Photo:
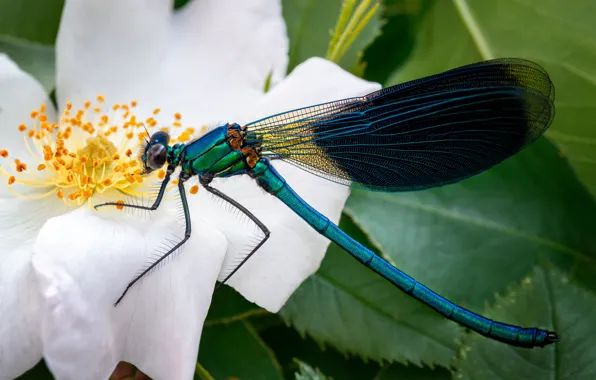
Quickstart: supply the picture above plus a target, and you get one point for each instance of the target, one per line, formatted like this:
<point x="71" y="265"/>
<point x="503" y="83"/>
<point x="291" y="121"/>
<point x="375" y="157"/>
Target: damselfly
<point x="421" y="134"/>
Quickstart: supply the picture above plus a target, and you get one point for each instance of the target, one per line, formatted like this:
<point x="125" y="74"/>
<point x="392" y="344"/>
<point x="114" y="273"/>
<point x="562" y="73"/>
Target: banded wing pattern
<point x="424" y="133"/>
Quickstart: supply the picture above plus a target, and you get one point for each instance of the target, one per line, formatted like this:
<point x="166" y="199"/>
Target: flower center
<point x="89" y="151"/>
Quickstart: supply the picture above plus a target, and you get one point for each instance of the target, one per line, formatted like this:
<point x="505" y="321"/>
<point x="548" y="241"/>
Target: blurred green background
<point x="517" y="243"/>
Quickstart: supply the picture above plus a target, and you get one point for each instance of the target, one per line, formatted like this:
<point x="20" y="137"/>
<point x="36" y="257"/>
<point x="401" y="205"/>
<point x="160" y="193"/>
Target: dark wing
<point x="424" y="133"/>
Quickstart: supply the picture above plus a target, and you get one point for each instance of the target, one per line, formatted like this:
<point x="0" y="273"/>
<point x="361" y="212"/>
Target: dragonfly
<point x="425" y="133"/>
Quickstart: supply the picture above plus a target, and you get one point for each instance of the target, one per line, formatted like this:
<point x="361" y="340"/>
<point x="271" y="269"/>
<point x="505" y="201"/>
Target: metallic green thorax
<point x="212" y="154"/>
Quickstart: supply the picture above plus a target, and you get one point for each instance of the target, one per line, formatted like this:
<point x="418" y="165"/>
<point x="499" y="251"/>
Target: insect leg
<point x="182" y="179"/>
<point x="205" y="182"/>
<point x="157" y="201"/>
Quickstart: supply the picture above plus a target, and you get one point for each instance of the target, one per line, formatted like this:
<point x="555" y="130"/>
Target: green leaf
<point x="237" y="351"/>
<point x="229" y="306"/>
<point x="470" y="240"/>
<point x="399" y="371"/>
<point x="550" y="32"/>
<point x="549" y="298"/>
<point x="308" y="373"/>
<point x="31" y="20"/>
<point x="290" y="347"/>
<point x="310" y="24"/>
<point x="397" y="37"/>
<point x="37" y="60"/>
<point x="351" y="308"/>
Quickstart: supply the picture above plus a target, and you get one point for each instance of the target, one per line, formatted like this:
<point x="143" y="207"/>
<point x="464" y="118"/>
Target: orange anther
<point x="11" y="180"/>
<point x="41" y="167"/>
<point x="20" y="167"/>
<point x="129" y="152"/>
<point x="156" y="111"/>
<point x="42" y="108"/>
<point x="116" y="157"/>
<point x="178" y="116"/>
<point x="60" y="194"/>
<point x="42" y="117"/>
<point x="194" y="189"/>
<point x="4" y="153"/>
<point x="107" y="182"/>
<point x="161" y="174"/>
<point x="100" y="98"/>
<point x="120" y="202"/>
<point x="87" y="104"/>
<point x="133" y="103"/>
<point x="31" y="133"/>
<point x="22" y="128"/>
<point x="34" y="114"/>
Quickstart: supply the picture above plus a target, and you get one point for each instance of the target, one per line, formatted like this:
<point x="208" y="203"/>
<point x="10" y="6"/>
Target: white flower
<point x="63" y="267"/>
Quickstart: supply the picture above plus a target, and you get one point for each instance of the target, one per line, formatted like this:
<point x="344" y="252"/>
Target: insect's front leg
<point x="157" y="201"/>
<point x="187" y="231"/>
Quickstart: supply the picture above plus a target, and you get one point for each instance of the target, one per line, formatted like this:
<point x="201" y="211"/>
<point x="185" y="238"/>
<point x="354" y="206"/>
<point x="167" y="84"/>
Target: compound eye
<point x="156" y="156"/>
<point x="160" y="137"/>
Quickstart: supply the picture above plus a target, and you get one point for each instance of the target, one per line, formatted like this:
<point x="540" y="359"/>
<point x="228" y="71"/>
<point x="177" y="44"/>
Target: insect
<point x="425" y="133"/>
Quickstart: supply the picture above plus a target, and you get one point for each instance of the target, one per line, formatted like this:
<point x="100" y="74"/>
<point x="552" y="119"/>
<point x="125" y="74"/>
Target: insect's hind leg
<point x="157" y="201"/>
<point x="205" y="182"/>
<point x="183" y="178"/>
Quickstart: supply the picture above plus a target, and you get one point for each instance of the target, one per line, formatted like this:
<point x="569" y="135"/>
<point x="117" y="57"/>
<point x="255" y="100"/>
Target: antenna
<point x="146" y="131"/>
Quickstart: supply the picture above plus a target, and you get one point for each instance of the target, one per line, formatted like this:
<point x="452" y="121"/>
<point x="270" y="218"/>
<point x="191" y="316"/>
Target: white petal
<point x="112" y="47"/>
<point x="83" y="263"/>
<point x="294" y="250"/>
<point x="209" y="62"/>
<point x="20" y="94"/>
<point x="20" y="303"/>
<point x="224" y="51"/>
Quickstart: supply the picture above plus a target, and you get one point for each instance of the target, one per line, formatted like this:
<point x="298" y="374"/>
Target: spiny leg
<point x="157" y="201"/>
<point x="183" y="178"/>
<point x="205" y="182"/>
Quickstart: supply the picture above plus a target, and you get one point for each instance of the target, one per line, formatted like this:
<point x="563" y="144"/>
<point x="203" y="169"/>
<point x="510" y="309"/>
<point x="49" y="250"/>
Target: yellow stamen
<point x="86" y="152"/>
